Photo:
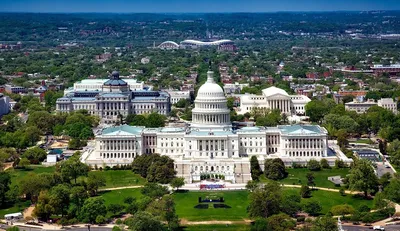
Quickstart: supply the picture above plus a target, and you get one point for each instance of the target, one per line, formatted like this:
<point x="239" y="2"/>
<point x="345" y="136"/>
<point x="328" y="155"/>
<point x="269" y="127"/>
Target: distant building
<point x="359" y="107"/>
<point x="232" y="88"/>
<point x="274" y="98"/>
<point x="393" y="69"/>
<point x="362" y="107"/>
<point x="145" y="60"/>
<point x="97" y="85"/>
<point x="198" y="44"/>
<point x="168" y="45"/>
<point x="4" y="105"/>
<point x="389" y="104"/>
<point x="115" y="99"/>
<point x="10" y="89"/>
<point x="178" y="95"/>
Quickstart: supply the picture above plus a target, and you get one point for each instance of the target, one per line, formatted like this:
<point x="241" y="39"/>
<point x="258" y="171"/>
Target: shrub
<point x="340" y="164"/>
<point x="342" y="192"/>
<point x="324" y="164"/>
<point x="363" y="208"/>
<point x="100" y="219"/>
<point x="313" y="165"/>
<point x="305" y="191"/>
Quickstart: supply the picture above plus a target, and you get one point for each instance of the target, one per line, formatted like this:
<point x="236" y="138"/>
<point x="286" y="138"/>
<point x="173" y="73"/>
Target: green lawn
<point x="118" y="196"/>
<point x="17" y="174"/>
<point x="237" y="200"/>
<point x="298" y="176"/>
<point x="120" y="178"/>
<point x="235" y="227"/>
<point x="330" y="199"/>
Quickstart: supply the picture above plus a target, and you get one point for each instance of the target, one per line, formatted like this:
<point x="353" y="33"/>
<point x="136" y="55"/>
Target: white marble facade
<point x="209" y="144"/>
<point x="273" y="98"/>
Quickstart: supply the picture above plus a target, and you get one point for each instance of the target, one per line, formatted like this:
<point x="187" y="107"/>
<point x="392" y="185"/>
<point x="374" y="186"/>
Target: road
<point x="365" y="228"/>
<point x="382" y="169"/>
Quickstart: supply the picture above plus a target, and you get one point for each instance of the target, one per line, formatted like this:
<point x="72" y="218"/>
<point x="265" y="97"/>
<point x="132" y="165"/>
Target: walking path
<point x="228" y="187"/>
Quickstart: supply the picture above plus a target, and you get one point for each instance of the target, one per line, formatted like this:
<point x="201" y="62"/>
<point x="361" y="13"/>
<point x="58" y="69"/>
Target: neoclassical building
<point x="113" y="99"/>
<point x="209" y="144"/>
<point x="274" y="98"/>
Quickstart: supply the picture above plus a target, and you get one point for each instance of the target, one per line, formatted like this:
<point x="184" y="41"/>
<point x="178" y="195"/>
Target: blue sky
<point x="160" y="6"/>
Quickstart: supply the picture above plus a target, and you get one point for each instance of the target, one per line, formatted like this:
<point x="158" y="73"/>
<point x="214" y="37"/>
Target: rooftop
<point x="122" y="130"/>
<point x="300" y="129"/>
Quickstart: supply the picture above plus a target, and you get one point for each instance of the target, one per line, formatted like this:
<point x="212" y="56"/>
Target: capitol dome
<point x="210" y="88"/>
<point x="210" y="110"/>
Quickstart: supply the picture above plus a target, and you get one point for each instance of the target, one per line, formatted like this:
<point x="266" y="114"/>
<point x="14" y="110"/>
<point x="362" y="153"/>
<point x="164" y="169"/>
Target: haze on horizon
<point x="193" y="6"/>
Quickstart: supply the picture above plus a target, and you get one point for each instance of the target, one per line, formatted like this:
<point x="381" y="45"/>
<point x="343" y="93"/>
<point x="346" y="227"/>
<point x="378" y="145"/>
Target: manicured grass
<point x="237" y="200"/>
<point x="17" y="174"/>
<point x="298" y="176"/>
<point x="118" y="196"/>
<point x="234" y="227"/>
<point x="330" y="199"/>
<point x="18" y="207"/>
<point x="120" y="178"/>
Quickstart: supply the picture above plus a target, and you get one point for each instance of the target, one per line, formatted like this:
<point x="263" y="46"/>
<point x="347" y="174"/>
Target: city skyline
<point x="184" y="6"/>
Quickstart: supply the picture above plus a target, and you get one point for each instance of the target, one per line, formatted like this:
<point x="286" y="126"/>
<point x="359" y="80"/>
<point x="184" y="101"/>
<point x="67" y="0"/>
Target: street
<point x="365" y="228"/>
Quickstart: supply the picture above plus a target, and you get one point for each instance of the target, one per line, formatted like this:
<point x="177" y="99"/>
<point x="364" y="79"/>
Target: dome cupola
<point x="210" y="109"/>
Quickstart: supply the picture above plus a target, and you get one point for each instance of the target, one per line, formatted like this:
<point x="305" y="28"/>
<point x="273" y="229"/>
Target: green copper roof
<point x="300" y="129"/>
<point x="123" y="130"/>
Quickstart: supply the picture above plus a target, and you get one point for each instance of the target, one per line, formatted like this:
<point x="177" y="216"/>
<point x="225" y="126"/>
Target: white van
<point x="13" y="216"/>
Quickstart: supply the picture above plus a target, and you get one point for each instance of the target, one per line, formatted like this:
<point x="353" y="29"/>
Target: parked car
<point x="378" y="228"/>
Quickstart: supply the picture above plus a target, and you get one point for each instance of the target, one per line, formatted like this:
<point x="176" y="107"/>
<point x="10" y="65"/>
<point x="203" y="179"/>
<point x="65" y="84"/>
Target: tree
<point x="305" y="191"/>
<point x="59" y="199"/>
<point x="362" y="177"/>
<point x="100" y="219"/>
<point x="280" y="222"/>
<point x="324" y="163"/>
<point x="94" y="182"/>
<point x="115" y="209"/>
<point x="24" y="163"/>
<point x="155" y="120"/>
<point x="312" y="207"/>
<point x="274" y="169"/>
<point x="291" y="204"/>
<point x="177" y="182"/>
<point x="313" y="165"/>
<point x="384" y="181"/>
<point x="342" y="138"/>
<point x="43" y="210"/>
<point x="35" y="154"/>
<point x="252" y="185"/>
<point x="324" y="223"/>
<point x="316" y="110"/>
<point x="255" y="168"/>
<point x="13" y="228"/>
<point x="182" y="103"/>
<point x="93" y="207"/>
<point x="380" y="202"/>
<point x="310" y="179"/>
<point x="72" y="168"/>
<point x="342" y="210"/>
<point x="260" y="224"/>
<point x="265" y="201"/>
<point x="5" y="181"/>
<point x="162" y="170"/>
<point x="144" y="221"/>
<point x="392" y="192"/>
<point x="154" y="190"/>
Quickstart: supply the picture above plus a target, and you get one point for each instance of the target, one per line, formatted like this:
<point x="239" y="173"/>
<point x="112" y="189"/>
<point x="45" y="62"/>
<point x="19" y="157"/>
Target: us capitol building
<point x="210" y="144"/>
